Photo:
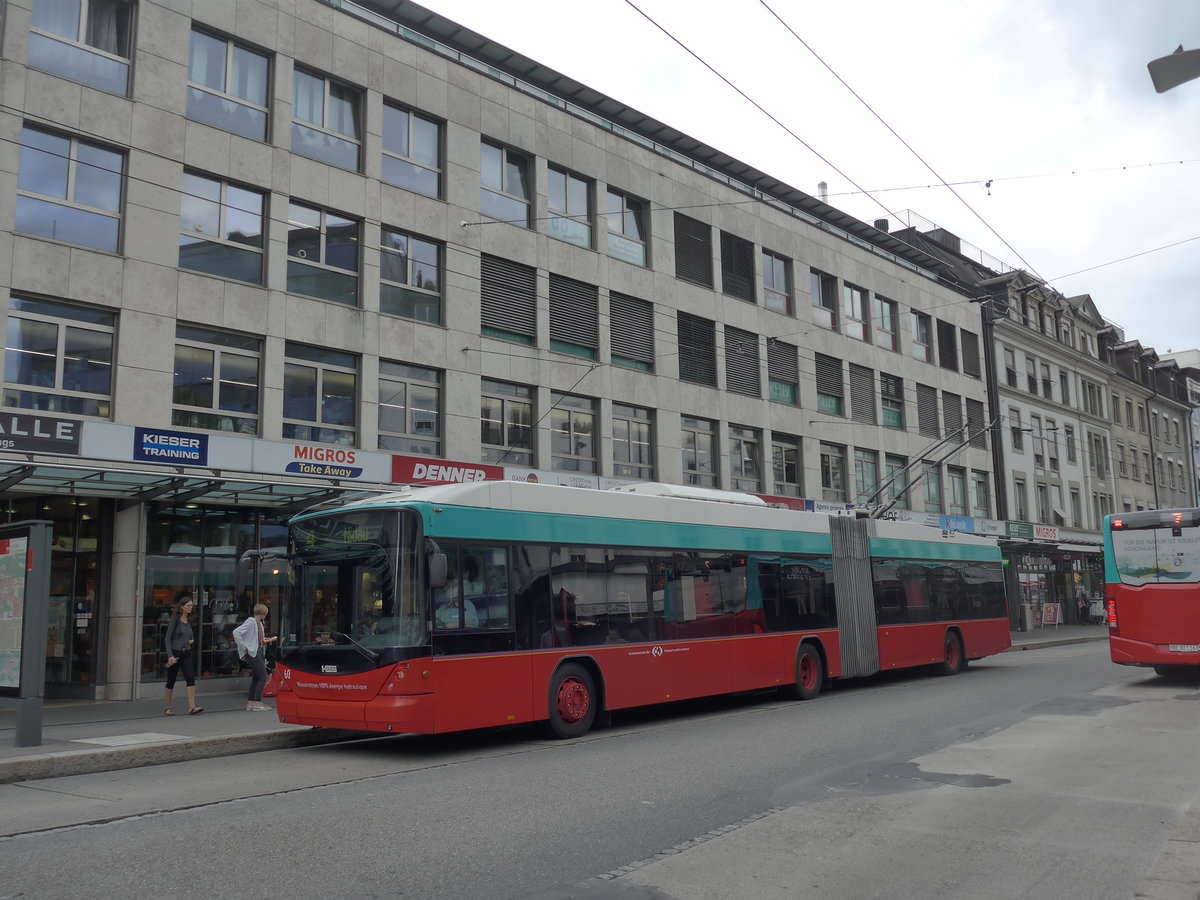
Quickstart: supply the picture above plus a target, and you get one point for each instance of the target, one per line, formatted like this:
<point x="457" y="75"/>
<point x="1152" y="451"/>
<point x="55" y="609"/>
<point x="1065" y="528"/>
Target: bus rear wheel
<point x="953" y="660"/>
<point x="572" y="701"/>
<point x="809" y="673"/>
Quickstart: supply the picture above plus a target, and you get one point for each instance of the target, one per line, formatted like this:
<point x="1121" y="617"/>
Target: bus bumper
<point x="389" y="715"/>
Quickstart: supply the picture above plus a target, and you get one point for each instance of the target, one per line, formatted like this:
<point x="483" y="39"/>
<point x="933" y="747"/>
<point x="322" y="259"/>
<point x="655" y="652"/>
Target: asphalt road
<point x="1050" y="774"/>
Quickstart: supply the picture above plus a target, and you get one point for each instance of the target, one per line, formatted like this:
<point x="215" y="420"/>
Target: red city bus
<point x="1152" y="589"/>
<point x="467" y="606"/>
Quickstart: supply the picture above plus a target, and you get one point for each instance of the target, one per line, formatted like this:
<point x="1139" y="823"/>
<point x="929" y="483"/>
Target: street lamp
<point x="1171" y="71"/>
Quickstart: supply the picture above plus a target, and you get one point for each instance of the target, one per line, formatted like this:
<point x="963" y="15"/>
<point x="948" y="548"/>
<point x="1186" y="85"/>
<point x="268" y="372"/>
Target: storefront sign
<point x="322" y="461"/>
<point x="1020" y="530"/>
<point x="418" y="470"/>
<point x="24" y="433"/>
<point x="1045" y="532"/>
<point x="963" y="524"/>
<point x="172" y="447"/>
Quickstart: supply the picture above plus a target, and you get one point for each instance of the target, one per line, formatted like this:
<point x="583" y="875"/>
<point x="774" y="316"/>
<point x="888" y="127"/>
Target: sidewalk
<point x="81" y="736"/>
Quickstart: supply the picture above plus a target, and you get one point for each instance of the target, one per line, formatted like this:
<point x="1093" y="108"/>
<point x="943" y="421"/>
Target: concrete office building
<point x="263" y="253"/>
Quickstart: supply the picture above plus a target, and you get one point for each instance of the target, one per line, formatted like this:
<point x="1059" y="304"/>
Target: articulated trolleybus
<point x="466" y="606"/>
<point x="1152" y="589"/>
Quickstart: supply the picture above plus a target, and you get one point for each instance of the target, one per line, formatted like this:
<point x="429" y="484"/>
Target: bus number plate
<point x="1184" y="648"/>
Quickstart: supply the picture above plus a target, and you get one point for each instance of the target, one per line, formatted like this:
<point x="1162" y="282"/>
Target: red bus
<point x="468" y="606"/>
<point x="1152" y="589"/>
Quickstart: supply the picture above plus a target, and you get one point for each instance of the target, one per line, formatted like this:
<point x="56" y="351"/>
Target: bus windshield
<point x="356" y="587"/>
<point x="1156" y="547"/>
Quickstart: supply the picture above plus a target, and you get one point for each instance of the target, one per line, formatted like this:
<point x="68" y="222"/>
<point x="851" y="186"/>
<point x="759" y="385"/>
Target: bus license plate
<point x="1184" y="648"/>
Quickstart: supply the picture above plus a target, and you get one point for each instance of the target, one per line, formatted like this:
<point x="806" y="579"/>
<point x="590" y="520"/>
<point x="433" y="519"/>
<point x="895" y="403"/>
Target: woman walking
<point x="179" y="643"/>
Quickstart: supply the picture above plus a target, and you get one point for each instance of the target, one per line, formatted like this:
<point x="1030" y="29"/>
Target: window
<point x="1047" y="391"/>
<point x="922" y="340"/>
<point x="508" y="300"/>
<point x="1031" y="382"/>
<point x="697" y="350"/>
<point x="1039" y="448"/>
<point x="956" y="491"/>
<point x="952" y="416"/>
<point x="58" y="358"/>
<point x="895" y="480"/>
<point x="833" y="472"/>
<point x="1010" y="367"/>
<point x="927" y="412"/>
<point x="325" y="120"/>
<point x="631" y="332"/>
<point x="626" y="220"/>
<point x="862" y="395"/>
<point x="87" y="41"/>
<point x="322" y="254"/>
<point x="1052" y="444"/>
<point x="69" y="190"/>
<point x="866" y="476"/>
<point x="633" y="442"/>
<point x="931" y="487"/>
<point x="1042" y="496"/>
<point x="412" y="151"/>
<point x="221" y="229"/>
<point x="891" y="390"/>
<point x="1069" y="440"/>
<point x="216" y="380"/>
<point x="506" y="423"/>
<point x="1017" y="432"/>
<point x="783" y="372"/>
<point x="1076" y="509"/>
<point x="574" y="317"/>
<point x="693" y="251"/>
<point x="785" y="465"/>
<point x="572" y="433"/>
<point x="410" y="402"/>
<point x="976" y="426"/>
<point x="829" y="384"/>
<point x="1116" y="407"/>
<point x="741" y="362"/>
<point x="410" y="276"/>
<point x="1121" y="460"/>
<point x="504" y="181"/>
<point x="737" y="267"/>
<point x="947" y="346"/>
<point x="824" y="299"/>
<point x="698" y="439"/>
<point x="745" y="459"/>
<point x="980" y="496"/>
<point x="228" y="86"/>
<point x="777" y="282"/>
<point x="856" y="312"/>
<point x="970" y="353"/>
<point x="1064" y="387"/>
<point x="887" y="324"/>
<point x="569" y="201"/>
<point x="1134" y="471"/>
<point x="320" y="395"/>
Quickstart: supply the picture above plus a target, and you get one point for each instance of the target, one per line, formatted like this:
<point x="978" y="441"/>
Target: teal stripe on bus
<point x="509" y="525"/>
<point x="890" y="548"/>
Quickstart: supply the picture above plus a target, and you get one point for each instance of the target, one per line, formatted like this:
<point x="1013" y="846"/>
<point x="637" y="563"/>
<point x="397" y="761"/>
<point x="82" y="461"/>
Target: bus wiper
<point x="365" y="651"/>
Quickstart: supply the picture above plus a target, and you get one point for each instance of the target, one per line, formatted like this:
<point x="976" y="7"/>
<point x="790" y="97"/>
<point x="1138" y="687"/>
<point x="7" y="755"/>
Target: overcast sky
<point x="1050" y="100"/>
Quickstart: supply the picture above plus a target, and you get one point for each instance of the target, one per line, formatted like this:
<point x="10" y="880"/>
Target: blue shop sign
<point x="172" y="447"/>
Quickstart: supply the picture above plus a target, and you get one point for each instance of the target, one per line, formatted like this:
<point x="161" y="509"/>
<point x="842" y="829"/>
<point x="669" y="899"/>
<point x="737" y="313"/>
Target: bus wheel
<point x="572" y="701"/>
<point x="808" y="673"/>
<point x="954" y="660"/>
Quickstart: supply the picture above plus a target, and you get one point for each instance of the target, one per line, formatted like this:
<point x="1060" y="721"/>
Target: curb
<point x="111" y="759"/>
<point x="1056" y="642"/>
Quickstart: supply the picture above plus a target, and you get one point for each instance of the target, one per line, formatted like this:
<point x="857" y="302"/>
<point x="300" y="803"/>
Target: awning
<point x="132" y="486"/>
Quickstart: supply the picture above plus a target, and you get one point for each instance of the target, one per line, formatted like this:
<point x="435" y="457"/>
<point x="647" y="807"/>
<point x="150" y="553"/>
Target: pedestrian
<point x="179" y="643"/>
<point x="251" y="639"/>
<point x="1083" y="610"/>
<point x="1097" y="610"/>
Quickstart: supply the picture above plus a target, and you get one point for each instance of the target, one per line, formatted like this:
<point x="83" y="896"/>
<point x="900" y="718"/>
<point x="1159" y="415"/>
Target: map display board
<point x="13" y="581"/>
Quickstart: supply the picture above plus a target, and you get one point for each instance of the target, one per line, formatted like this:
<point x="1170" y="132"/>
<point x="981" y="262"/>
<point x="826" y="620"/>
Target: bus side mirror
<point x="437" y="570"/>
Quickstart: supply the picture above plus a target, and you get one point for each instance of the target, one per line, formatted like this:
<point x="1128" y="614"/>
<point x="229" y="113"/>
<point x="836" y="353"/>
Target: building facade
<point x="263" y="255"/>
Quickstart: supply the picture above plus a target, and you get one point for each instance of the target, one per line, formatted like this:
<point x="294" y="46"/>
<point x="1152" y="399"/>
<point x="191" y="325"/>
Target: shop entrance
<point x="75" y="632"/>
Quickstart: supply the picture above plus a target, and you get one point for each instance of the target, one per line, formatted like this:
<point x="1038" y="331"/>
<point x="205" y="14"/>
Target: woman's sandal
<point x="168" y="712"/>
<point x="195" y="709"/>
